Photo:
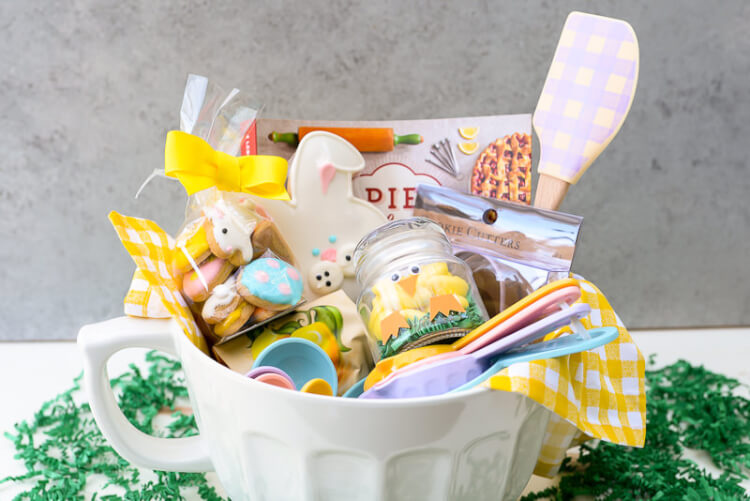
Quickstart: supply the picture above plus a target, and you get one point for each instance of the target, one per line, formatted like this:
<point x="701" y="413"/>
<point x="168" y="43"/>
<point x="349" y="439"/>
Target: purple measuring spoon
<point x="442" y="377"/>
<point x="273" y="376"/>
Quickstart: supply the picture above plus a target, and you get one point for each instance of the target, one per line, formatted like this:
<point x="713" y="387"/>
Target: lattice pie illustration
<point x="503" y="169"/>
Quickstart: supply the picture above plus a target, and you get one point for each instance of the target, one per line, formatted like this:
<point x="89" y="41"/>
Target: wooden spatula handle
<point x="550" y="192"/>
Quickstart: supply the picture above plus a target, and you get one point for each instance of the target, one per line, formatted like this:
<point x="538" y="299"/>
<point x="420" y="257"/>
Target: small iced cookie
<point x="270" y="283"/>
<point x="214" y="271"/>
<point x="193" y="240"/>
<point x="325" y="277"/>
<point x="227" y="235"/>
<point x="267" y="237"/>
<point x="222" y="301"/>
<point x="235" y="320"/>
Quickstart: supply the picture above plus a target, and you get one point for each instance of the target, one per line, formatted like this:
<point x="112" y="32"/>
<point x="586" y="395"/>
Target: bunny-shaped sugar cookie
<point x="324" y="220"/>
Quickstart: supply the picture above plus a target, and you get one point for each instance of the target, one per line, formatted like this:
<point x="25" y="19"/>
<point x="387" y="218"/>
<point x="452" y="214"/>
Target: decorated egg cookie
<point x="270" y="283"/>
<point x="262" y="314"/>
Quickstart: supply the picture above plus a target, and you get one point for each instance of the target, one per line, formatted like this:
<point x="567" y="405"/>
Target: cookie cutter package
<point x="512" y="249"/>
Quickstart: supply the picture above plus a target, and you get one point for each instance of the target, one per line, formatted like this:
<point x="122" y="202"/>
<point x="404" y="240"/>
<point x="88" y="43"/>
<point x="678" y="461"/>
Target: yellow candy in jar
<point x="392" y="295"/>
<point x="413" y="287"/>
<point x="447" y="285"/>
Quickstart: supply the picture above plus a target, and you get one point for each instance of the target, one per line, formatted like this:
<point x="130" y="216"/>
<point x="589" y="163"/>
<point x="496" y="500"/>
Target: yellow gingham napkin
<point x="151" y="249"/>
<point x="598" y="393"/>
<point x="143" y="299"/>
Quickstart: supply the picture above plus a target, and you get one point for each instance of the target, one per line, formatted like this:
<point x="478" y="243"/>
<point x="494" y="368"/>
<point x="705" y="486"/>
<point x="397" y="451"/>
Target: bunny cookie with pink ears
<point x="228" y="233"/>
<point x="323" y="208"/>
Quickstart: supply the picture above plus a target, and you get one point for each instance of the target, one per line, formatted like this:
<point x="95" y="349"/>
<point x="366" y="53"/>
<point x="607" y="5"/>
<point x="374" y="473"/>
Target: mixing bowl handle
<point x="98" y="342"/>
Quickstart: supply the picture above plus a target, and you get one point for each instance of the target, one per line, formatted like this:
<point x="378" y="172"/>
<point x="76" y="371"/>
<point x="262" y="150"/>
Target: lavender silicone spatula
<point x="585" y="99"/>
<point x="442" y="377"/>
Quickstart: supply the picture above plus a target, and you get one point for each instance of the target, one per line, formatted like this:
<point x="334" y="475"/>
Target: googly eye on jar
<point x="414" y="291"/>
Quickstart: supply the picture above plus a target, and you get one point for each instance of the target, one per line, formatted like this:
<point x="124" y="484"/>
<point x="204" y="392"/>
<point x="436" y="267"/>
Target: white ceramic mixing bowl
<point x="267" y="443"/>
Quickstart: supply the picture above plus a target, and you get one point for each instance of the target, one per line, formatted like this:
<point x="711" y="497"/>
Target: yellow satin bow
<point x="198" y="166"/>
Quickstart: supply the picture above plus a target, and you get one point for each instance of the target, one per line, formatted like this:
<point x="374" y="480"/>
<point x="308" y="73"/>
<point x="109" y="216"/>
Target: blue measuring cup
<point x="301" y="359"/>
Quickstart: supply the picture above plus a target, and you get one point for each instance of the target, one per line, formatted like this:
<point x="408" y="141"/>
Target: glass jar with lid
<point x="415" y="292"/>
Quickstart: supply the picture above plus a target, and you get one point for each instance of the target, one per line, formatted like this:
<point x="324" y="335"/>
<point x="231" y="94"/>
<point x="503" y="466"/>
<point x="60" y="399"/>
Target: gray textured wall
<point x="88" y="90"/>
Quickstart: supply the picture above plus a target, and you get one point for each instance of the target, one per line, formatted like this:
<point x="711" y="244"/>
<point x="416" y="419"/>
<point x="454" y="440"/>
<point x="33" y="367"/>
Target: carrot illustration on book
<point x="365" y="139"/>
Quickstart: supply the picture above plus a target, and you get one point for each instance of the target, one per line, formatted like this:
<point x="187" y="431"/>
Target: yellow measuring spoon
<point x="318" y="386"/>
<point x="391" y="364"/>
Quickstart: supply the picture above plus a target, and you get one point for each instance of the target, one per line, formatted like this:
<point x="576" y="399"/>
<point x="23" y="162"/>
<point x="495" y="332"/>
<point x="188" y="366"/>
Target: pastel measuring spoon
<point x="387" y="366"/>
<point x="273" y="376"/>
<point x="443" y="376"/>
<point x="558" y="347"/>
<point x="318" y="386"/>
<point x="535" y="310"/>
<point x="586" y="97"/>
<point x="356" y="389"/>
<point x="391" y="364"/>
<point x="276" y="380"/>
<point x="514" y="309"/>
<point x="301" y="359"/>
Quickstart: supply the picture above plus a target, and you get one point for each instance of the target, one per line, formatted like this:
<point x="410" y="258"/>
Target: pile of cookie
<point x="234" y="267"/>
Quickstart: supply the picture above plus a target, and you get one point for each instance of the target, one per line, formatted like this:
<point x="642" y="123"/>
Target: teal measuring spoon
<point x="564" y="345"/>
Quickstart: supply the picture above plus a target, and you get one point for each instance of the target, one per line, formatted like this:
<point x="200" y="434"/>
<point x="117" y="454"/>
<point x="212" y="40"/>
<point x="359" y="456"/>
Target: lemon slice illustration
<point x="468" y="132"/>
<point x="468" y="148"/>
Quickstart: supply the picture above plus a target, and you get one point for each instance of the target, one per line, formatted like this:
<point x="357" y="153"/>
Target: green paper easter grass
<point x="688" y="407"/>
<point x="64" y="451"/>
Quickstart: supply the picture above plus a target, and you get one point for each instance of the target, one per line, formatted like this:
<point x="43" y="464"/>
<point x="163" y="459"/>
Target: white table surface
<point x="32" y="372"/>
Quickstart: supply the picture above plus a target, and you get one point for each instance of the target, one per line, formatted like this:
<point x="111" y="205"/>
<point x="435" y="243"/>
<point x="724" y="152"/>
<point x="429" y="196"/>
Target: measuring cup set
<point x="507" y="338"/>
